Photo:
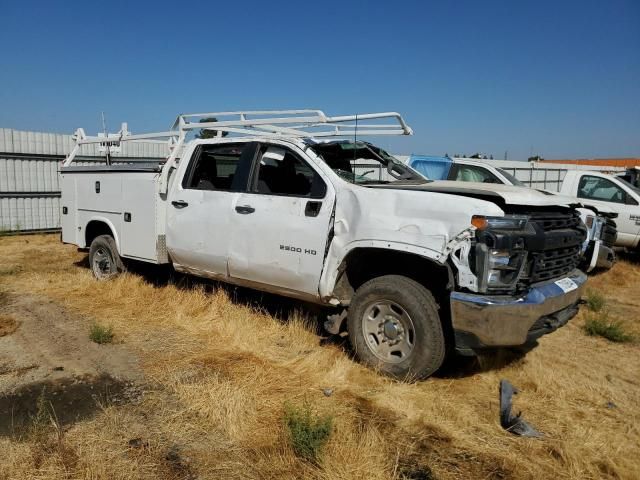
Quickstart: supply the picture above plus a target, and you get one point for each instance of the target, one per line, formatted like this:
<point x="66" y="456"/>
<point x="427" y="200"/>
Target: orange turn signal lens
<point x="480" y="222"/>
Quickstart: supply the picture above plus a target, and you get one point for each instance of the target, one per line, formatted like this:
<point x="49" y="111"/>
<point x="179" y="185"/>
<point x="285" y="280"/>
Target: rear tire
<point x="394" y="326"/>
<point x="104" y="259"/>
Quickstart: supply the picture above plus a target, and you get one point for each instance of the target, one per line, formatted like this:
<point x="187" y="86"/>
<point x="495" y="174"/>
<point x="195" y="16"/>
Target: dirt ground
<point x="196" y="380"/>
<point x="44" y="348"/>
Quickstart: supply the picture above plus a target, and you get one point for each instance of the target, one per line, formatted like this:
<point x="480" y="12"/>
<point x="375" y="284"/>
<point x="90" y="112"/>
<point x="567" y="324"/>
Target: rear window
<point x="214" y="167"/>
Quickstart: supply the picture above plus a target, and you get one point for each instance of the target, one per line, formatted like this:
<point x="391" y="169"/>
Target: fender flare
<point x="106" y="221"/>
<point x="335" y="260"/>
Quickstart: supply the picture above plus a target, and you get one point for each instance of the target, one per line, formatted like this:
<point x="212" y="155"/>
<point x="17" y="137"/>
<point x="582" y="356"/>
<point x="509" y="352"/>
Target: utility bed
<point x="118" y="195"/>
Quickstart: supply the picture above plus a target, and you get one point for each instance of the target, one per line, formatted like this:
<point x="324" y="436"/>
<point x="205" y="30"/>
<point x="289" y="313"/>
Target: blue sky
<point x="556" y="78"/>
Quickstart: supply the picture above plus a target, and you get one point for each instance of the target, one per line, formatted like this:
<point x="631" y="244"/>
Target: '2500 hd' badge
<point x="289" y="248"/>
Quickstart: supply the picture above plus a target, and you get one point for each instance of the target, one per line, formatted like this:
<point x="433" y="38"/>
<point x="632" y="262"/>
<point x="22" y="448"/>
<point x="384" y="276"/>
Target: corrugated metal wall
<point x="29" y="181"/>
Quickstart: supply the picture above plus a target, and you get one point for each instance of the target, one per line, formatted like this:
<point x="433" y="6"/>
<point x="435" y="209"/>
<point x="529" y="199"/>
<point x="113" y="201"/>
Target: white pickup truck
<point x="608" y="191"/>
<point x="601" y="228"/>
<point x="276" y="205"/>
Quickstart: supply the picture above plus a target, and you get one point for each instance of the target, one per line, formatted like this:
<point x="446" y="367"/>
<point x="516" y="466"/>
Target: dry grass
<point x="220" y="372"/>
<point x="8" y="325"/>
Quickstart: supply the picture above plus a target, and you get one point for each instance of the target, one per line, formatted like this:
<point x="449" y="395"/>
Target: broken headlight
<point x="498" y="270"/>
<point x="508" y="222"/>
<point x="500" y="254"/>
<point x="599" y="225"/>
<point x="589" y="221"/>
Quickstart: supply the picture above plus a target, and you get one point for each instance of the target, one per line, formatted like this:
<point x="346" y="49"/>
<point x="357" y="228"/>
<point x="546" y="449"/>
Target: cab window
<point x="279" y="171"/>
<point x="215" y="167"/>
<point x="603" y="189"/>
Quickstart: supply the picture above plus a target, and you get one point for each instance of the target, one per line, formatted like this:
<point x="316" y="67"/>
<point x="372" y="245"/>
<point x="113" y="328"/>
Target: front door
<point x="281" y="225"/>
<point x="200" y="208"/>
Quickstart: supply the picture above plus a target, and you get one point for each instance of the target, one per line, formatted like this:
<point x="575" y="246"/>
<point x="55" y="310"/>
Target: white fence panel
<point x="29" y="178"/>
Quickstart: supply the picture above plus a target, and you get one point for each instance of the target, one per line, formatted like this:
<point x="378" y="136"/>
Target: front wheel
<point x="104" y="258"/>
<point x="394" y="326"/>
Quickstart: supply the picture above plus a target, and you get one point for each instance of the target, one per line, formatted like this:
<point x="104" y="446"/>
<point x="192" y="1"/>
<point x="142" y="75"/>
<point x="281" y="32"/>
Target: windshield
<point x="511" y="178"/>
<point x="362" y="163"/>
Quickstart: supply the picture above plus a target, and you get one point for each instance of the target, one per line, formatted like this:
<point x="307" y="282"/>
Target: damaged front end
<point x="598" y="248"/>
<point x="517" y="278"/>
<point x="490" y="257"/>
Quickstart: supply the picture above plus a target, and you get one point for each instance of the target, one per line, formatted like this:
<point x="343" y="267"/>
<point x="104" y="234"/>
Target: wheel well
<point x="364" y="264"/>
<point x="94" y="229"/>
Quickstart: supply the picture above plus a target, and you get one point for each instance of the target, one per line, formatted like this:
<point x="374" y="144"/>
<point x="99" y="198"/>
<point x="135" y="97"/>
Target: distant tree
<point x="535" y="158"/>
<point x="207" y="132"/>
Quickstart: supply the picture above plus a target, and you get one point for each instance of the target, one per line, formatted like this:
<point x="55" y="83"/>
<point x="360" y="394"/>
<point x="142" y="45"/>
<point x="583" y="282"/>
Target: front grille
<point x="550" y="221"/>
<point x="561" y="250"/>
<point x="554" y="263"/>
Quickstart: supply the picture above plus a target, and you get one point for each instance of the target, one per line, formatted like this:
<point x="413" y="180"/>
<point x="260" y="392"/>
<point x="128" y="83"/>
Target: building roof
<point x="604" y="162"/>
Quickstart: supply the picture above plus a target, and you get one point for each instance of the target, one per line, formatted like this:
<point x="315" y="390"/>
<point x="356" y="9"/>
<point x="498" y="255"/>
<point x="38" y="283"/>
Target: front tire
<point x="394" y="326"/>
<point x="104" y="259"/>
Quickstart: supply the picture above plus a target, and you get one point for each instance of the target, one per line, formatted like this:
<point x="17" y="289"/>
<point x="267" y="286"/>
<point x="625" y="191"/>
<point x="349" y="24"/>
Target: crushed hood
<point x="492" y="192"/>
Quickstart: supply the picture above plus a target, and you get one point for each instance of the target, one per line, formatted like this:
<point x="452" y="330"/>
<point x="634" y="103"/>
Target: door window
<point x="281" y="172"/>
<point x="470" y="173"/>
<point x="603" y="189"/>
<point x="215" y="167"/>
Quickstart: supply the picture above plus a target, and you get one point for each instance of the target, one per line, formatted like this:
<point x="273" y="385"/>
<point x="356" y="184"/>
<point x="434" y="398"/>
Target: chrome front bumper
<point x="481" y="321"/>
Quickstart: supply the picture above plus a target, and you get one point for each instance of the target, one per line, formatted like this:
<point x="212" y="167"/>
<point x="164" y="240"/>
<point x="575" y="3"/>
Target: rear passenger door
<point x="200" y="207"/>
<point x="282" y="223"/>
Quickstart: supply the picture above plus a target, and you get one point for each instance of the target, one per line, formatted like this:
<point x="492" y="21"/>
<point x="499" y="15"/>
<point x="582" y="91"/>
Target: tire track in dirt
<point x="46" y="354"/>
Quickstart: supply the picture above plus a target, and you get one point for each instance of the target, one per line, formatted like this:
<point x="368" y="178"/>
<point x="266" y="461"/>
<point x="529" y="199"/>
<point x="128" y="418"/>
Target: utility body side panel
<point x="127" y="202"/>
<point x="69" y="213"/>
<point x="139" y="216"/>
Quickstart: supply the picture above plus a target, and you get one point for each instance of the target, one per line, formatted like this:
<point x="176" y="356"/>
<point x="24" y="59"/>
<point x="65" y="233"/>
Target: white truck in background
<point x="608" y="191"/>
<point x="278" y="206"/>
<point x="599" y="219"/>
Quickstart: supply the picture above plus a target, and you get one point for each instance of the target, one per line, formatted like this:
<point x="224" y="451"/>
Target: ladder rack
<point x="307" y="123"/>
<point x="280" y="123"/>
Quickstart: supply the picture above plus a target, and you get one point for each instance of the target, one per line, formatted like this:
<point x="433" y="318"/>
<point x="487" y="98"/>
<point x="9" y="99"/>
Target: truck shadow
<point x="458" y="366"/>
<point x="284" y="308"/>
<point x="628" y="256"/>
<point x="279" y="307"/>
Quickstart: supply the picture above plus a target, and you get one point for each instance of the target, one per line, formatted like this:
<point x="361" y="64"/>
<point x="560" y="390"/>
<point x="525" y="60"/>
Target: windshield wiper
<point x="369" y="182"/>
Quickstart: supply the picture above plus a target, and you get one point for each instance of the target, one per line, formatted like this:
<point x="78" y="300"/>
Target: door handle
<point x="179" y="203"/>
<point x="245" y="209"/>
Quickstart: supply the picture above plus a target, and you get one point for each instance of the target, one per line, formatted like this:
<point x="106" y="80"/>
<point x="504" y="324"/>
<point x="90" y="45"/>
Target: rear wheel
<point x="104" y="258"/>
<point x="394" y="325"/>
